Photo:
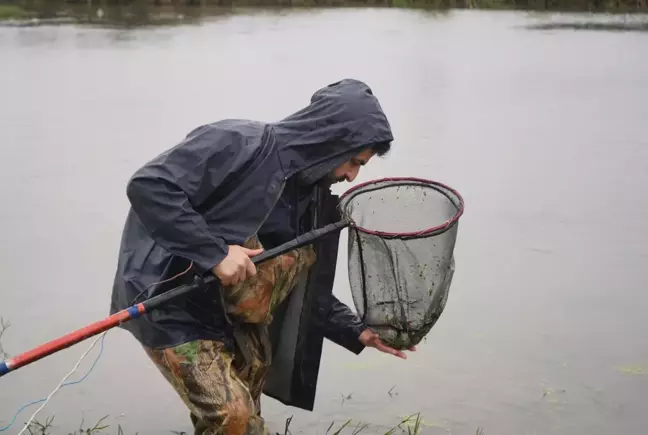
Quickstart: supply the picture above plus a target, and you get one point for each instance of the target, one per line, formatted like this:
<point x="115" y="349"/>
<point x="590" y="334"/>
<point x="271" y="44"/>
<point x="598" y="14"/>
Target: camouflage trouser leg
<point x="254" y="300"/>
<point x="222" y="389"/>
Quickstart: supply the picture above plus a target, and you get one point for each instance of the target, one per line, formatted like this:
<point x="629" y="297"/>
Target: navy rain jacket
<point x="225" y="182"/>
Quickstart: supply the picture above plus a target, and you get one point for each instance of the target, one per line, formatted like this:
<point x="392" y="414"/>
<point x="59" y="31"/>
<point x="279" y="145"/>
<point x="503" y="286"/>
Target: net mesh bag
<point x="402" y="236"/>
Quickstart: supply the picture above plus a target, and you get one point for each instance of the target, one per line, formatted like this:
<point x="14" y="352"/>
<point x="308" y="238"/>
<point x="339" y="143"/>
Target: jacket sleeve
<point x="339" y="324"/>
<point x="164" y="192"/>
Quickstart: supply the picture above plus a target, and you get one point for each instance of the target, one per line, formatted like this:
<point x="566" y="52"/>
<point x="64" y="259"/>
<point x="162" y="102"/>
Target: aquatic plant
<point x="410" y="425"/>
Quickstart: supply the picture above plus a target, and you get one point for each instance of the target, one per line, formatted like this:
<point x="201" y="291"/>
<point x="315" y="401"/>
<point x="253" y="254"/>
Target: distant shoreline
<point x="146" y="12"/>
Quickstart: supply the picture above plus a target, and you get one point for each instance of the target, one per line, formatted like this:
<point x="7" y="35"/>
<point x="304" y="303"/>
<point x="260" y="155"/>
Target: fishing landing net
<point x="401" y="254"/>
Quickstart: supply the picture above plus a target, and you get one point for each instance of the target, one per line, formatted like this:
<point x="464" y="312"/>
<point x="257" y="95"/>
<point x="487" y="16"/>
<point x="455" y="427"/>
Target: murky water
<point x="543" y="132"/>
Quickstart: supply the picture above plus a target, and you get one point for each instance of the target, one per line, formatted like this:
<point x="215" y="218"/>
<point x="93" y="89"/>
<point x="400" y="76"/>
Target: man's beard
<point x="332" y="179"/>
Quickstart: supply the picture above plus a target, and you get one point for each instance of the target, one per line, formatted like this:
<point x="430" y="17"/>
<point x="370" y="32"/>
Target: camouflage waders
<point x="222" y="389"/>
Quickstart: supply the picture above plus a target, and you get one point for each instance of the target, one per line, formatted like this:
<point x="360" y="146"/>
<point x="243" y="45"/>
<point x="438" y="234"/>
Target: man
<point x="229" y="190"/>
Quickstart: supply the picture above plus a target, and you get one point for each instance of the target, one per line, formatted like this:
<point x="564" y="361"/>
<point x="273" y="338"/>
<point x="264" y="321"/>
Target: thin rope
<point x="60" y="385"/>
<point x="163" y="282"/>
<point x="13" y="420"/>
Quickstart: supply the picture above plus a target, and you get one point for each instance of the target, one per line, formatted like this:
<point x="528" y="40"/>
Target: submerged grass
<point x="408" y="426"/>
<point x="38" y="428"/>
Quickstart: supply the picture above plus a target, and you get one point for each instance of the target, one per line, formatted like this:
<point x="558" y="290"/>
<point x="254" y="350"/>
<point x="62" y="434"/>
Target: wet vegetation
<point x="411" y="425"/>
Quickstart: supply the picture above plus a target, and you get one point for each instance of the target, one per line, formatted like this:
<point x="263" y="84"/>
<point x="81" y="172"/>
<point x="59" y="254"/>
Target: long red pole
<point x="70" y="339"/>
<point x="138" y="310"/>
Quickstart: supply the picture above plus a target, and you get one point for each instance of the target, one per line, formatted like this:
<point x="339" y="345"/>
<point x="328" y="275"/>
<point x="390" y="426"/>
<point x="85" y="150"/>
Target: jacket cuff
<point x="349" y="338"/>
<point x="207" y="263"/>
<point x="356" y="346"/>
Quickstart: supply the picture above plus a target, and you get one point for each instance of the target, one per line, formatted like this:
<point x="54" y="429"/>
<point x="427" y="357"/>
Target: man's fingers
<point x="237" y="266"/>
<point x="397" y="353"/>
<point x="386" y="349"/>
<point x="250" y="268"/>
<point x="252" y="252"/>
<point x="372" y="339"/>
<point x="242" y="273"/>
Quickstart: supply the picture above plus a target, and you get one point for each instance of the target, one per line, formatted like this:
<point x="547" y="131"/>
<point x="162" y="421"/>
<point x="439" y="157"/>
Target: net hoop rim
<point x="439" y="229"/>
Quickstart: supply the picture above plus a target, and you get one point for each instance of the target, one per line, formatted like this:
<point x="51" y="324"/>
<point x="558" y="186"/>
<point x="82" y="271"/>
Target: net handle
<point x="299" y="241"/>
<point x="426" y="232"/>
<point x="137" y="310"/>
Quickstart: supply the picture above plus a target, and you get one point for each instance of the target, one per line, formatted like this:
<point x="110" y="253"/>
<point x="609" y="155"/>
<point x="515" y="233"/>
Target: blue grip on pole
<point x="4" y="368"/>
<point x="134" y="312"/>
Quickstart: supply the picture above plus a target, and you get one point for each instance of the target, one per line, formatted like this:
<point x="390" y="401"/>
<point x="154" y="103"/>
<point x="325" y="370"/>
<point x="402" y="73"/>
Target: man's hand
<point x="371" y="339"/>
<point x="237" y="266"/>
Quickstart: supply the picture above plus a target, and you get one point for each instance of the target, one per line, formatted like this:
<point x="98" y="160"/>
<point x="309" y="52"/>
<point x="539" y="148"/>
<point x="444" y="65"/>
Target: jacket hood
<point x="342" y="119"/>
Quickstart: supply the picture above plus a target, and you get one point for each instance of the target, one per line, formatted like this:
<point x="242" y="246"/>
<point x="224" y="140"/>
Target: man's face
<point x="348" y="171"/>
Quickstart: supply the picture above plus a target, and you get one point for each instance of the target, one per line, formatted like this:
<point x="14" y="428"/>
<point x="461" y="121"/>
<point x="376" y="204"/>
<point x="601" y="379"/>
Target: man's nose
<point x="351" y="175"/>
